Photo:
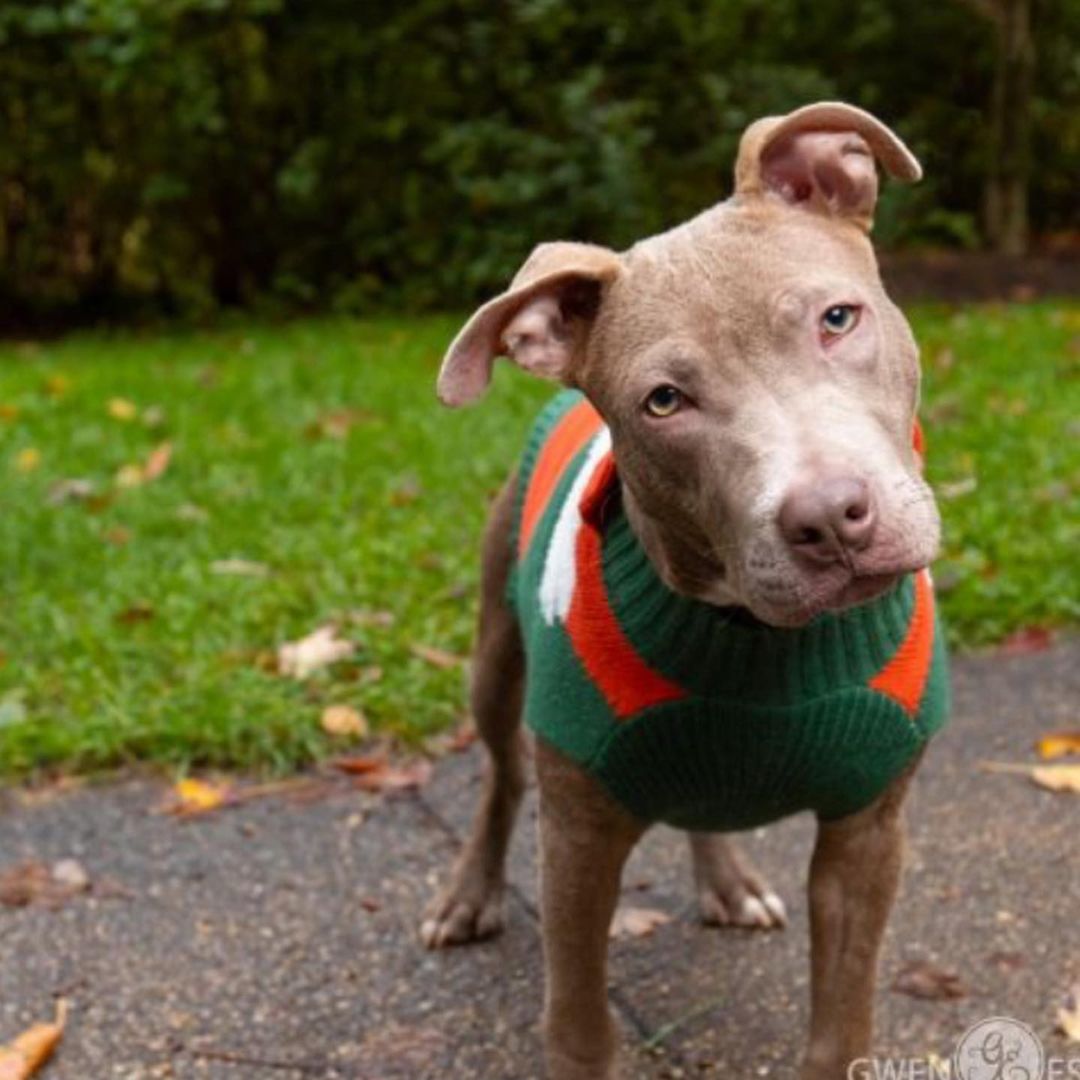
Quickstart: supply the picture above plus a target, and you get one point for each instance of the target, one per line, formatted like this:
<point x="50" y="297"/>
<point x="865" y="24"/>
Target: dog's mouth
<point x="795" y="607"/>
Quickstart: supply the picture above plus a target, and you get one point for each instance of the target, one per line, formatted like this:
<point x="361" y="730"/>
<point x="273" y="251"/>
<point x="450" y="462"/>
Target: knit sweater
<point x="688" y="713"/>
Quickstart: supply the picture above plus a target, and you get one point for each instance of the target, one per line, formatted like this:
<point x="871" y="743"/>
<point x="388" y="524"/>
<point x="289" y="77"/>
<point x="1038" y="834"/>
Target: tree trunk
<point x="1006" y="193"/>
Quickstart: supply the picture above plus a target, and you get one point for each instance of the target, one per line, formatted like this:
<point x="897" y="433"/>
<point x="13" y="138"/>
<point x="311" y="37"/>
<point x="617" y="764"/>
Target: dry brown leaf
<point x="438" y="657"/>
<point x="117" y="535"/>
<point x="463" y="738"/>
<point x="157" y="462"/>
<point x="360" y="764"/>
<point x="321" y="647"/>
<point x="922" y="979"/>
<point x="396" y="777"/>
<point x="636" y="922"/>
<point x="26" y="1054"/>
<point x="337" y="423"/>
<point x="344" y="720"/>
<point x="133" y="475"/>
<point x="136" y="613"/>
<point x="1057" y="744"/>
<point x="1026" y="640"/>
<point x="1068" y="1016"/>
<point x="32" y="882"/>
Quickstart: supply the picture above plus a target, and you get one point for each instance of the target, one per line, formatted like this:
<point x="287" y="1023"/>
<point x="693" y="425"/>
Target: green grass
<point x="120" y="642"/>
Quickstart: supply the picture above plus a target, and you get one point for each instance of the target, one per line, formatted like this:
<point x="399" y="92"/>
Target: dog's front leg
<point x="585" y="839"/>
<point x="853" y="880"/>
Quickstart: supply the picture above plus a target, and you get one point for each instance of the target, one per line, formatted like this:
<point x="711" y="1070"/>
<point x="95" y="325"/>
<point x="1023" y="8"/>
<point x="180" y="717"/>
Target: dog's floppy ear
<point x="540" y="322"/>
<point x="822" y="157"/>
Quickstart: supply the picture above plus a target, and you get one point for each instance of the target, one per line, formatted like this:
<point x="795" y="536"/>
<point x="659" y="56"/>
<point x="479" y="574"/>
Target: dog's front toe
<point x="730" y="890"/>
<point x="456" y="918"/>
<point x="743" y="909"/>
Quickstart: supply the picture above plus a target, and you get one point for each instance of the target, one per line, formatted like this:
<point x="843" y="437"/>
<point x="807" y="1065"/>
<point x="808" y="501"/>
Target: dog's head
<point x="759" y="385"/>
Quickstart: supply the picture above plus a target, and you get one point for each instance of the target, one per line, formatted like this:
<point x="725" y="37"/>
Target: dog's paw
<point x="736" y="904"/>
<point x="459" y="916"/>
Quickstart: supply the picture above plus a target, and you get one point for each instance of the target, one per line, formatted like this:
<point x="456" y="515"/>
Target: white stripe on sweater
<point x="560" y="562"/>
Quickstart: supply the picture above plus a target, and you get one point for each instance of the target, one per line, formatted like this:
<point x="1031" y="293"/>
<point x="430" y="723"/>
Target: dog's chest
<point x="683" y="713"/>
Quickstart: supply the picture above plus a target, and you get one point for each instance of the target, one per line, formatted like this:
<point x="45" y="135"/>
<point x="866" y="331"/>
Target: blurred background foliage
<point x="177" y="156"/>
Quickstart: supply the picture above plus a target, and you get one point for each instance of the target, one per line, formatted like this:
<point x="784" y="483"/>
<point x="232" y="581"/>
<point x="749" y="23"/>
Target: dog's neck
<point x="684" y="563"/>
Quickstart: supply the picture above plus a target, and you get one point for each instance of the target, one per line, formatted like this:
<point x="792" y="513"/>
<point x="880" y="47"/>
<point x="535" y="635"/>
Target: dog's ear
<point x="821" y="157"/>
<point x="541" y="322"/>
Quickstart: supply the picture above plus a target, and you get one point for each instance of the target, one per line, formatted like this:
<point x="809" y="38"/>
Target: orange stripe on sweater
<point x="918" y="439"/>
<point x="903" y="678"/>
<point x="622" y="676"/>
<point x="576" y="427"/>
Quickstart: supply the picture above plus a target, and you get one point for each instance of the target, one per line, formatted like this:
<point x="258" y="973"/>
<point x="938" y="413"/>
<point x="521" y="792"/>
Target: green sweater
<point x="691" y="714"/>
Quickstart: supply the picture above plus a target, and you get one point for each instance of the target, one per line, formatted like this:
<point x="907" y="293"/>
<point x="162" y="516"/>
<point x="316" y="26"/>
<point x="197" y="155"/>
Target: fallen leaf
<point x="396" y="777"/>
<point x="1068" y="1016"/>
<point x="406" y="492"/>
<point x="1057" y="777"/>
<point x="56" y="386"/>
<point x="1052" y="777"/>
<point x="27" y="460"/>
<point x="191" y="797"/>
<point x="360" y="764"/>
<point x="1058" y="744"/>
<point x="462" y="738"/>
<point x="70" y="874"/>
<point x="922" y="979"/>
<point x="382" y="619"/>
<point x="958" y="488"/>
<point x="438" y="657"/>
<point x="239" y="567"/>
<point x="321" y="647"/>
<point x="118" y="535"/>
<point x="128" y="476"/>
<point x="74" y="489"/>
<point x="1028" y="639"/>
<point x="337" y="423"/>
<point x="134" y="475"/>
<point x="32" y="882"/>
<point x="344" y="720"/>
<point x="157" y="462"/>
<point x="136" y="613"/>
<point x="26" y="1054"/>
<point x="122" y="409"/>
<point x="636" y="922"/>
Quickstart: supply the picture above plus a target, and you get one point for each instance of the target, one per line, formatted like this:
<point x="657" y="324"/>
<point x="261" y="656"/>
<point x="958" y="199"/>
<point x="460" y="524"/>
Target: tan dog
<point x="760" y="389"/>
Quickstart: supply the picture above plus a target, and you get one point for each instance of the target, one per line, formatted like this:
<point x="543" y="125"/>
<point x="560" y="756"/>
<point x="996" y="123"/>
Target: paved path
<point x="277" y="940"/>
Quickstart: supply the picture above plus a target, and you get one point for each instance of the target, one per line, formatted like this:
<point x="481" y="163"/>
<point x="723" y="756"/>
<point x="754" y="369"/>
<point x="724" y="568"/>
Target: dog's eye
<point x="839" y="319"/>
<point x="664" y="401"/>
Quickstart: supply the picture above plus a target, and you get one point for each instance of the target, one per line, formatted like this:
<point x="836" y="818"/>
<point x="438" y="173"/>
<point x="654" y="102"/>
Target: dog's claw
<point x="456" y="922"/>
<point x="775" y="906"/>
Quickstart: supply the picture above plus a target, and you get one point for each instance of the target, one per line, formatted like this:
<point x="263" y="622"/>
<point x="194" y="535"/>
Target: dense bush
<point x="184" y="154"/>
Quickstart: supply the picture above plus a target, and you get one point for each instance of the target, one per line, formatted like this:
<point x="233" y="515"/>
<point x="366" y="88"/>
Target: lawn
<point x="305" y="474"/>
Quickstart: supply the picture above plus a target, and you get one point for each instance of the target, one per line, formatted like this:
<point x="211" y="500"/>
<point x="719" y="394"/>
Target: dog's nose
<point x="826" y="520"/>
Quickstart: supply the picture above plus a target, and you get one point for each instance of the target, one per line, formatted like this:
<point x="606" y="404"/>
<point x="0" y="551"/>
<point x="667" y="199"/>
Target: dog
<point x="705" y="586"/>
